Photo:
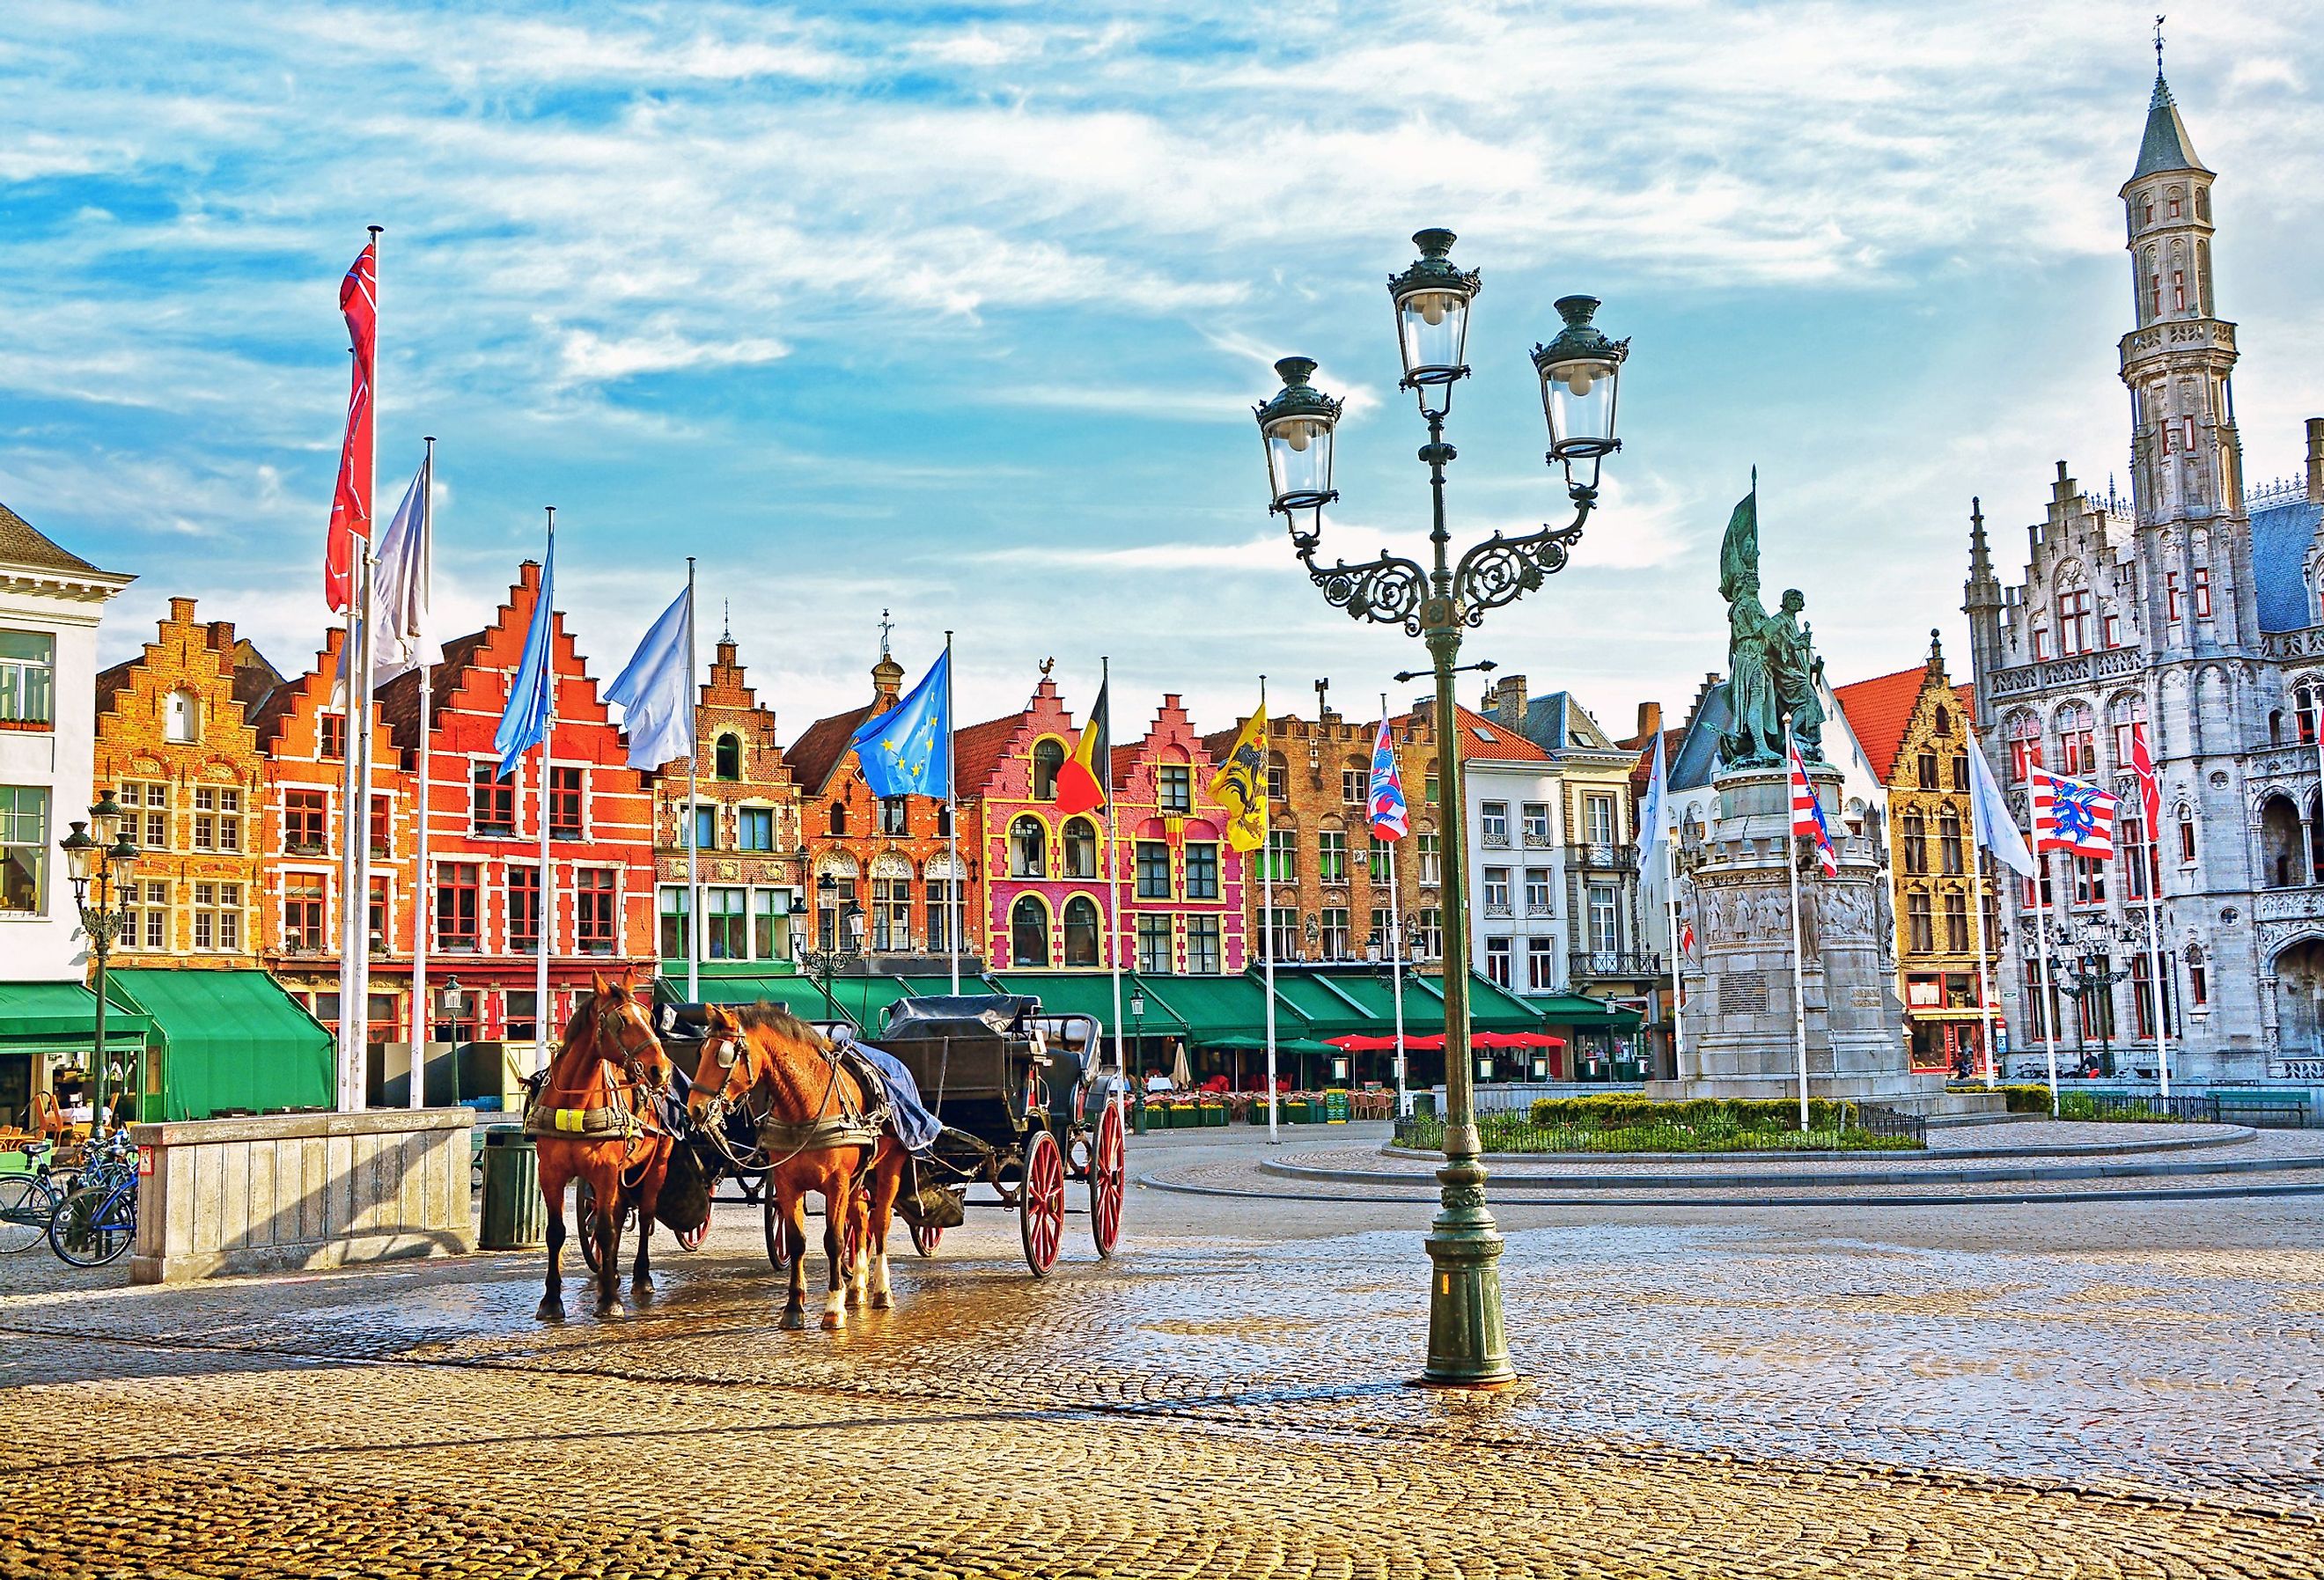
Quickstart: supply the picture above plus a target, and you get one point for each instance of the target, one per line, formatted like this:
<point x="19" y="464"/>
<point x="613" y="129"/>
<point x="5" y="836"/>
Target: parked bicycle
<point x="29" y="1196"/>
<point x="97" y="1219"/>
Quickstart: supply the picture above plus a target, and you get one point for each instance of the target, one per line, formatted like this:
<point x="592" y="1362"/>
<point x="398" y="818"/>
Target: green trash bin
<point x="514" y="1215"/>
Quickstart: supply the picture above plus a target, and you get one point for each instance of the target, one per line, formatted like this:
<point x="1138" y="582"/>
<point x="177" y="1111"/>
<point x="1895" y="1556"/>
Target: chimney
<point x="2316" y="460"/>
<point x="1507" y="704"/>
<point x="1650" y="722"/>
<point x="222" y="635"/>
<point x="182" y="611"/>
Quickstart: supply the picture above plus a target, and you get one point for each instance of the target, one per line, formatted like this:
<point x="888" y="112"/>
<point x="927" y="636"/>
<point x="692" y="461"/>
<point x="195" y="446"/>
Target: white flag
<point x="1651" y="832"/>
<point x="398" y="588"/>
<point x="656" y="691"/>
<point x="1996" y="825"/>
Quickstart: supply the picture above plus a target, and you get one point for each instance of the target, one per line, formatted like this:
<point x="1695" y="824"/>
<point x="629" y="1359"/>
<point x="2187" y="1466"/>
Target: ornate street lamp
<point x="1579" y="372"/>
<point x="102" y="863"/>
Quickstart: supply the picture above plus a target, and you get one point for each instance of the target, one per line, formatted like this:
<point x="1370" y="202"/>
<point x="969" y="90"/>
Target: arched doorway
<point x="2300" y="1000"/>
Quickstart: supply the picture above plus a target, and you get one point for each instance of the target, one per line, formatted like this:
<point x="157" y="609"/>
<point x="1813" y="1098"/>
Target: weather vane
<point x="2158" y="43"/>
<point x="1046" y="665"/>
<point x="886" y="625"/>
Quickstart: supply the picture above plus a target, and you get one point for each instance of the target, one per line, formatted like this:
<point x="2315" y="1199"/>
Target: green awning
<point x="61" y="1017"/>
<point x="1091" y="993"/>
<point x="229" y="1039"/>
<point x="1322" y="1000"/>
<point x="1282" y="1045"/>
<point x="1579" y="1011"/>
<point x="861" y="1001"/>
<point x="1491" y="1008"/>
<point x="1219" y="1006"/>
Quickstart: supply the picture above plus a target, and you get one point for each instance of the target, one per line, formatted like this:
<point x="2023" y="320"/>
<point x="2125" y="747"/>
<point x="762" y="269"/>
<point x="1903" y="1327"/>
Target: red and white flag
<point x="351" y="499"/>
<point x="1807" y="816"/>
<point x="2150" y="789"/>
<point x="2072" y="814"/>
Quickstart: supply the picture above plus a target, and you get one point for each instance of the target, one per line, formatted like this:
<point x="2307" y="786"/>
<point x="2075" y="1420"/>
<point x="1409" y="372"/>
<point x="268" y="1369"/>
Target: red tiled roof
<point x="1642" y="772"/>
<point x="1498" y="743"/>
<point x="1878" y="709"/>
<point x="817" y="751"/>
<point x="399" y="699"/>
<point x="976" y="752"/>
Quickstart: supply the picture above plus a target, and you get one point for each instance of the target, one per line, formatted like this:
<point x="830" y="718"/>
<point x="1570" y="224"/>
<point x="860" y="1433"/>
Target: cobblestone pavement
<point x="2089" y="1390"/>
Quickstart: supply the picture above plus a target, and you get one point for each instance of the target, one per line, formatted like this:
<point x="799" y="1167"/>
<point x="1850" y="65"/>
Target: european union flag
<point x="907" y="751"/>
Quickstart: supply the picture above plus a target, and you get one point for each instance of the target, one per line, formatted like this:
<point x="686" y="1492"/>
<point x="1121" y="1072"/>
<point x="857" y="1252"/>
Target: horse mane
<point x="577" y="1039"/>
<point x="779" y="1019"/>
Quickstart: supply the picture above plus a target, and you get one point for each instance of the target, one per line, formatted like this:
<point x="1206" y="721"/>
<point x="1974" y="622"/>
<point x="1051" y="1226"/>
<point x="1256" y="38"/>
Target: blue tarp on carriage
<point x="914" y="1125"/>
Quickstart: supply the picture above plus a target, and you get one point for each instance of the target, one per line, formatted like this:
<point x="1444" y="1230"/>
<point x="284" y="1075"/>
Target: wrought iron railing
<point x="1614" y="963"/>
<point x="1602" y="857"/>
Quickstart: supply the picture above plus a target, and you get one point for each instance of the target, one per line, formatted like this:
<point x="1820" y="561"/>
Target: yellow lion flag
<point x="1240" y="785"/>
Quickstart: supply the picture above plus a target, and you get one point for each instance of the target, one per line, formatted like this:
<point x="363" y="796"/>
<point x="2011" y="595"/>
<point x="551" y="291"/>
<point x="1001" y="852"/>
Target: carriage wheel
<point x="778" y="1249"/>
<point x="584" y="1220"/>
<point x="1041" y="1203"/>
<point x="927" y="1237"/>
<point x="1107" y="1175"/>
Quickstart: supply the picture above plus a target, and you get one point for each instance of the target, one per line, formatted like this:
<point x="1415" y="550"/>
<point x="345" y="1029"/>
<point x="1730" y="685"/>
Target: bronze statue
<point x="1772" y="669"/>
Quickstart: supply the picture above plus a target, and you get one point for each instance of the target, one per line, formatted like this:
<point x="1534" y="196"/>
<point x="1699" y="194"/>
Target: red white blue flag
<point x="2072" y="814"/>
<point x="2150" y="789"/>
<point x="1807" y="816"/>
<point x="1385" y="806"/>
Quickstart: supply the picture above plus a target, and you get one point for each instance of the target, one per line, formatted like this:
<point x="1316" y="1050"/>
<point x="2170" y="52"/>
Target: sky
<point x="959" y="311"/>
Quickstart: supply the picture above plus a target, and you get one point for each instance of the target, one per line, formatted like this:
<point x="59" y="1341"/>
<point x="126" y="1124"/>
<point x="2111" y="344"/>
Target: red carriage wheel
<point x="927" y="1237"/>
<point x="1041" y="1201"/>
<point x="1107" y="1178"/>
<point x="777" y="1246"/>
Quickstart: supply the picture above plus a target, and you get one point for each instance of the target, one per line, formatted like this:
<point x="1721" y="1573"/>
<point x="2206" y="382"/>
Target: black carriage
<point x="1026" y="1104"/>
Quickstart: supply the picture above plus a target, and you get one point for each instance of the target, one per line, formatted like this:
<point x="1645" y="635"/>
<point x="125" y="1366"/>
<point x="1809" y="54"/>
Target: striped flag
<point x="1385" y="805"/>
<point x="351" y="496"/>
<point x="1807" y="816"/>
<point x="2150" y="789"/>
<point x="2072" y="814"/>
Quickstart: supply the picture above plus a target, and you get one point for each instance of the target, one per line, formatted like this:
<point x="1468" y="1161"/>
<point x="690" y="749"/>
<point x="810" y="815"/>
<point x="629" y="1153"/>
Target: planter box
<point x="1184" y="1119"/>
<point x="1213" y="1115"/>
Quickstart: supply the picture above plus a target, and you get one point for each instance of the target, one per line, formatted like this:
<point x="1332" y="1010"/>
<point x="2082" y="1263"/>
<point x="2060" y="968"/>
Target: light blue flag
<point x="657" y="690"/>
<point x="1996" y="825"/>
<point x="1651" y="832"/>
<point x="907" y="751"/>
<point x="525" y="725"/>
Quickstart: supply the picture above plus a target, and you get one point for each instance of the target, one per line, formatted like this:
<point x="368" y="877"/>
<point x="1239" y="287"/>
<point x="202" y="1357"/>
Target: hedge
<point x="1623" y="1111"/>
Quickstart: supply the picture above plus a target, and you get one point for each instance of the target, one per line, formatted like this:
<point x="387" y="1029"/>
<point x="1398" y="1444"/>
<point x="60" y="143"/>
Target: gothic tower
<point x="1981" y="601"/>
<point x="2186" y="461"/>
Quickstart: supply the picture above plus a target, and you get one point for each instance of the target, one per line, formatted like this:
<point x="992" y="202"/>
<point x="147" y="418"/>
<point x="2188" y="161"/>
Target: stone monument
<point x="1735" y="885"/>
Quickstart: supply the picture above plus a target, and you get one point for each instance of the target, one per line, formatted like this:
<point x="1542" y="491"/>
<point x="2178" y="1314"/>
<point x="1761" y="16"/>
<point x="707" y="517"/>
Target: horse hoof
<point x="550" y="1311"/>
<point x="794" y="1320"/>
<point x="835" y="1321"/>
<point x="611" y="1310"/>
<point x="882" y="1301"/>
<point x="642" y="1291"/>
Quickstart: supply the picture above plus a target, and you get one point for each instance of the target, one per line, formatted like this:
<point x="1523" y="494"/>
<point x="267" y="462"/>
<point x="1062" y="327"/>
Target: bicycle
<point x="28" y="1197"/>
<point x="96" y="1221"/>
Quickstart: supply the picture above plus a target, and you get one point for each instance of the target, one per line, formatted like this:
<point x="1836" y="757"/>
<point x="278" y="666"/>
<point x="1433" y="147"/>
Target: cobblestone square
<point x="2086" y="1389"/>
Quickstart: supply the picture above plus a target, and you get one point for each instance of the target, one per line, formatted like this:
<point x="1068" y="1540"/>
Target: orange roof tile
<point x="1878" y="709"/>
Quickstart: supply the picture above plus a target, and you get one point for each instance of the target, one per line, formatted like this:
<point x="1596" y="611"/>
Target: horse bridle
<point x="609" y="1018"/>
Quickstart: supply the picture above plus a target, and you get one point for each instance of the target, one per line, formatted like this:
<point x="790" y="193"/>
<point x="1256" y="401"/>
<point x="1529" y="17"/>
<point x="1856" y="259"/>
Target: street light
<point x="102" y="863"/>
<point x="1579" y="372"/>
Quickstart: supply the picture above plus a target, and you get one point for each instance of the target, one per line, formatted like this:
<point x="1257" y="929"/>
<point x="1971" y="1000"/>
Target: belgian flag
<point x="1082" y="783"/>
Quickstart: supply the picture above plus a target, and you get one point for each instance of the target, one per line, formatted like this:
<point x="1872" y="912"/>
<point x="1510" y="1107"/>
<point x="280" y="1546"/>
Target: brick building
<point x="302" y="731"/>
<point x="177" y="744"/>
<point x="746" y="834"/>
<point x="887" y="855"/>
<point x="1321" y="891"/>
<point x="485" y="831"/>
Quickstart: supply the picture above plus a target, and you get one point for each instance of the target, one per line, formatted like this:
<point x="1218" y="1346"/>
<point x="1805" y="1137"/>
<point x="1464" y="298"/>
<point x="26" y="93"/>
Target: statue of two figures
<point x="1772" y="668"/>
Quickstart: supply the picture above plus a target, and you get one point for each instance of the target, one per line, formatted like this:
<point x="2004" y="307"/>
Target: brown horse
<point x="817" y="1138"/>
<point x="594" y="1120"/>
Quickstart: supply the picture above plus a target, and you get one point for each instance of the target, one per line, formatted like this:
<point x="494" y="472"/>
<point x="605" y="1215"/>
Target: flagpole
<point x="1266" y="932"/>
<point x="2048" y="1000"/>
<point x="360" y="811"/>
<point x="1396" y="943"/>
<point x="348" y="680"/>
<point x="422" y="1021"/>
<point x="693" y="814"/>
<point x="1113" y="881"/>
<point x="2154" y="971"/>
<point x="951" y="822"/>
<point x="1670" y="903"/>
<point x="546" y="891"/>
<point x="1799" y="969"/>
<point x="1976" y="847"/>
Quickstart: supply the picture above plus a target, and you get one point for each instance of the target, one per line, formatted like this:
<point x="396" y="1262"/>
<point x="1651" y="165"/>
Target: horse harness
<point x="827" y="1131"/>
<point x="624" y="1119"/>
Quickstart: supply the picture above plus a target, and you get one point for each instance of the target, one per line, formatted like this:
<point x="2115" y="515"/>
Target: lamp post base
<point x="1468" y="1346"/>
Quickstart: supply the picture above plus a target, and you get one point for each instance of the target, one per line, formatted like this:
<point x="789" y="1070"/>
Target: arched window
<point x="2125" y="711"/>
<point x="839" y="819"/>
<point x="1915" y="842"/>
<point x="1944" y="723"/>
<point x="1028" y="848"/>
<point x="729" y="756"/>
<point x="1081" y="931"/>
<point x="1080" y="841"/>
<point x="1028" y="932"/>
<point x="2077" y="750"/>
<point x="1278" y="777"/>
<point x="1948" y="842"/>
<point x="181" y="717"/>
<point x="1048" y="757"/>
<point x="2023" y="733"/>
<point x="2284" y="858"/>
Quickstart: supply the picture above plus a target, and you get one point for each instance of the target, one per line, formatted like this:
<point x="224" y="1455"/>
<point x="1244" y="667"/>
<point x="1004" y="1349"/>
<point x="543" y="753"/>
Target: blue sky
<point x="960" y="309"/>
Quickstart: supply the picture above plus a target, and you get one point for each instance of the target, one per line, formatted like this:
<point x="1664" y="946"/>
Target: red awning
<point x="1514" y="1039"/>
<point x="1357" y="1042"/>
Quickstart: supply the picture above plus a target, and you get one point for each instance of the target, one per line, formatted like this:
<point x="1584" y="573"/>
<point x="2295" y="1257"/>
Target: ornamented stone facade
<point x="2192" y="606"/>
<point x="176" y="744"/>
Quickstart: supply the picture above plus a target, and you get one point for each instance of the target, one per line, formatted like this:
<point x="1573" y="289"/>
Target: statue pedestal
<point x="1740" y="1038"/>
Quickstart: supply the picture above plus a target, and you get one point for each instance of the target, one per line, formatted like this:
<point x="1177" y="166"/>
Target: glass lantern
<point x="1296" y="428"/>
<point x="1580" y="371"/>
<point x="81" y="855"/>
<point x="1432" y="320"/>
